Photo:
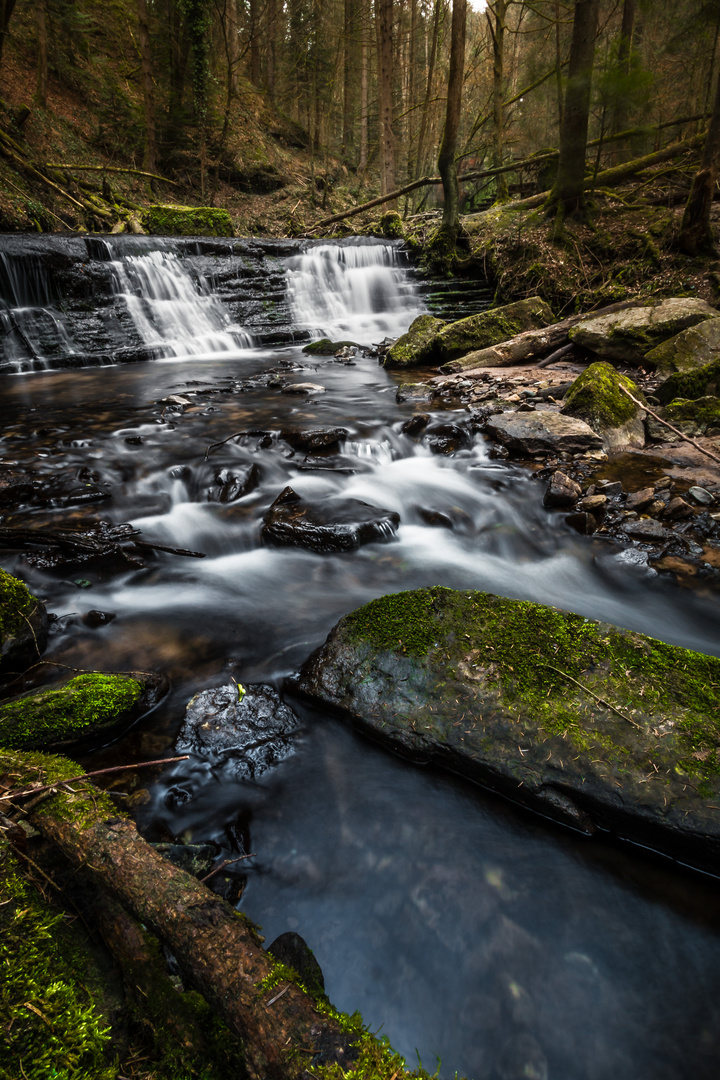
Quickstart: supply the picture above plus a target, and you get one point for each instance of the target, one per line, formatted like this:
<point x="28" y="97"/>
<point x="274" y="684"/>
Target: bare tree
<point x="150" y="155"/>
<point x="385" y="104"/>
<point x="447" y="165"/>
<point x="42" y="67"/>
<point x="696" y="233"/>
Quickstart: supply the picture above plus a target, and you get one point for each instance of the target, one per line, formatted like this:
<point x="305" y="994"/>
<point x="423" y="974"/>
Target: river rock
<point x="647" y="530"/>
<point x="678" y="510"/>
<point x="691" y="385"/>
<point x="629" y="335"/>
<point x="23" y="625"/>
<point x="543" y="432"/>
<point x="165" y="220"/>
<point x="414" y="391"/>
<point x="292" y="950"/>
<point x="253" y="731"/>
<point x="416" y="346"/>
<point x="303" y="388"/>
<point x="87" y="710"/>
<point x="528" y="700"/>
<point x="640" y="500"/>
<point x="698" y="417"/>
<point x="336" y="524"/>
<point x="232" y="484"/>
<point x="490" y="327"/>
<point x="326" y="347"/>
<point x="562" y="491"/>
<point x="597" y="398"/>
<point x="691" y="349"/>
<point x="314" y="440"/>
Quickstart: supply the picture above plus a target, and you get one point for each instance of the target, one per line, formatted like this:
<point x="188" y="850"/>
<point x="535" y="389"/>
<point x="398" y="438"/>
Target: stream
<point x="477" y="937"/>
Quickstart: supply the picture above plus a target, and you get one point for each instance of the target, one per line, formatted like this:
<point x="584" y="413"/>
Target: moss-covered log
<point x="217" y="949"/>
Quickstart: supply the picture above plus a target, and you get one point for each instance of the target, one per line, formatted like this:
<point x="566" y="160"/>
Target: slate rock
<point x="543" y="432"/>
<point x="253" y="733"/>
<point x="333" y="524"/>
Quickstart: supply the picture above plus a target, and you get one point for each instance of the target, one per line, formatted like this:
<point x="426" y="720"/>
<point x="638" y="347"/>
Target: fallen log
<point x="108" y="169"/>
<point x="217" y="950"/>
<point x="524" y="347"/>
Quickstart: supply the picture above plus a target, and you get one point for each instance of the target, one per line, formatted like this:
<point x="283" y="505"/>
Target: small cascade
<point x="32" y="334"/>
<point x="172" y="310"/>
<point x="359" y="290"/>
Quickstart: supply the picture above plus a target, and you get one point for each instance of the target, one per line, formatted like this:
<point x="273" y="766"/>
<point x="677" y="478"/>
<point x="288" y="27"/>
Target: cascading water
<point x="459" y="926"/>
<point x="359" y="291"/>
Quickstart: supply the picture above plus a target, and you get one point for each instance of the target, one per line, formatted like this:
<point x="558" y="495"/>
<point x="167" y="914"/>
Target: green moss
<point x="417" y="345"/>
<point x="326" y="347"/>
<point x="704" y="411"/>
<point x="51" y="1027"/>
<point x="692" y="384"/>
<point x="16" y="605"/>
<point x="391" y="226"/>
<point x="596" y="397"/>
<point x="491" y="327"/>
<point x="167" y="220"/>
<point x="75" y="708"/>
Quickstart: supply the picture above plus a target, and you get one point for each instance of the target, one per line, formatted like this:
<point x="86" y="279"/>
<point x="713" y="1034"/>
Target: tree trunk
<point x="428" y="89"/>
<point x="385" y="106"/>
<point x="498" y="38"/>
<point x="150" y="155"/>
<point x="363" y="158"/>
<point x="42" y="71"/>
<point x="6" y="10"/>
<point x="255" y="67"/>
<point x="233" y="46"/>
<point x="695" y="232"/>
<point x="349" y="76"/>
<point x="274" y="15"/>
<point x="446" y="160"/>
<point x="216" y="949"/>
<point x="558" y="65"/>
<point x="620" y="118"/>
<point x="566" y="196"/>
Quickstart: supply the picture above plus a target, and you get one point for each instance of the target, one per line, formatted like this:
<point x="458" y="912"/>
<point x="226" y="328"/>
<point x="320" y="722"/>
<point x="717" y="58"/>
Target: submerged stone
<point x="85" y="710"/>
<point x="630" y="334"/>
<point x="23" y="624"/>
<point x="335" y="524"/>
<point x="416" y="346"/>
<point x="252" y="731"/>
<point x="532" y="701"/>
<point x="490" y="327"/>
<point x="597" y="398"/>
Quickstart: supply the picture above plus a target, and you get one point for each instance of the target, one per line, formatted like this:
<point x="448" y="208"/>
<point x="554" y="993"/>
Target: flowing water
<point x="466" y="930"/>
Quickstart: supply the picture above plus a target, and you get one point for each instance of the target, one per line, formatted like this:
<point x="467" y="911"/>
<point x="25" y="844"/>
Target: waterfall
<point x="173" y="310"/>
<point x="31" y="331"/>
<point x="358" y="290"/>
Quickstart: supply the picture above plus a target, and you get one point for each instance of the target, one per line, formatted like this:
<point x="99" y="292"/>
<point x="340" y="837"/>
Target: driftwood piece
<point x="524" y="347"/>
<point x="216" y="949"/>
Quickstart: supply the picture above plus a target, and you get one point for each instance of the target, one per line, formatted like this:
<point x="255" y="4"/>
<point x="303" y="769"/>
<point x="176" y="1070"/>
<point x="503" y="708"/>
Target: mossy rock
<point x="23" y="625"/>
<point x="85" y="710"/>
<point x="167" y="220"/>
<point x="414" y="347"/>
<point x="630" y="335"/>
<point x="52" y="1026"/>
<point x="391" y="226"/>
<point x="597" y="398"/>
<point x="691" y="385"/>
<point x="594" y="725"/>
<point x="694" y="417"/>
<point x="690" y="350"/>
<point x="490" y="327"/>
<point x="326" y="347"/>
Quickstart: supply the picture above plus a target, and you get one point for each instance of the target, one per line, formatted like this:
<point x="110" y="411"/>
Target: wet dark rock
<point x="435" y="518"/>
<point x="314" y="440"/>
<point x="562" y="491"/>
<point x="95" y="618"/>
<point x="253" y="733"/>
<point x="647" y="530"/>
<point x="678" y="510"/>
<point x="195" y="859"/>
<point x="543" y="432"/>
<point x="583" y="523"/>
<point x="233" y="484"/>
<point x="416" y="424"/>
<point x="593" y="504"/>
<point x="484" y="686"/>
<point x="640" y="500"/>
<point x="336" y="524"/>
<point x="293" y="951"/>
<point x="611" y="488"/>
<point x="446" y="438"/>
<point x="414" y="392"/>
<point x="303" y="388"/>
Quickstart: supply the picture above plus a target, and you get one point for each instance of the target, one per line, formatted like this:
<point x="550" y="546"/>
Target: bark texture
<point x="447" y="166"/>
<point x="696" y="233"/>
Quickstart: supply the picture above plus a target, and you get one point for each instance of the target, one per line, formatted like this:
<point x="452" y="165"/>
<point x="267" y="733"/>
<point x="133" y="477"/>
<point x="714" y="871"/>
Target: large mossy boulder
<point x="490" y="327"/>
<point x="593" y="725"/>
<point x="692" y="349"/>
<point x="167" y="220"/>
<point x="23" y="625"/>
<point x="597" y="398"/>
<point x="86" y="710"/>
<point x="630" y="334"/>
<point x="691" y="385"/>
<point x="416" y="346"/>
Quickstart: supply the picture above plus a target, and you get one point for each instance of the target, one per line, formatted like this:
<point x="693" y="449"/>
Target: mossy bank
<point x="590" y="724"/>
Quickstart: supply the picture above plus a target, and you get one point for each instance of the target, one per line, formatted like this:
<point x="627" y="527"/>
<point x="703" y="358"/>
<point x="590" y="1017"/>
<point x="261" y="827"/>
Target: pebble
<point x="640" y="500"/>
<point x="701" y="496"/>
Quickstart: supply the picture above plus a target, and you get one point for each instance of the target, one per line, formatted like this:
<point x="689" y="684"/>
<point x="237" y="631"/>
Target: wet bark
<point x="215" y="947"/>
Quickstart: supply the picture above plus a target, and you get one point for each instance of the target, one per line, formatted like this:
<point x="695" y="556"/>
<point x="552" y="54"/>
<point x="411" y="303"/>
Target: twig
<point x="677" y="431"/>
<point x="593" y="695"/>
<point x="224" y="863"/>
<point x="557" y="355"/>
<point x="217" y="445"/>
<point x="171" y="550"/>
<point x="86" y="776"/>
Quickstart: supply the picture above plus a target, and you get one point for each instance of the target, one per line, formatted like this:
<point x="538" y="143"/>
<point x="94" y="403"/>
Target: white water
<point x="355" y="291"/>
<point x="172" y="310"/>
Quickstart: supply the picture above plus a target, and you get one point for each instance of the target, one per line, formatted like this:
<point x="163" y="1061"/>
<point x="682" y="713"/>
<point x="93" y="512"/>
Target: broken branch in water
<point x="90" y="775"/>
<point x="224" y="863"/>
